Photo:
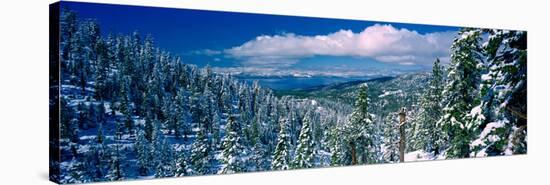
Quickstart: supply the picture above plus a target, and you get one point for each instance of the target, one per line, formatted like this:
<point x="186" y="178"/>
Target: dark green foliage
<point x="460" y="92"/>
<point x="305" y="150"/>
<point x="428" y="135"/>
<point x="361" y="133"/>
<point x="281" y="157"/>
<point x="234" y="150"/>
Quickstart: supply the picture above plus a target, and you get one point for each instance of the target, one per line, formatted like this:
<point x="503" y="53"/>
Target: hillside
<point x="386" y="94"/>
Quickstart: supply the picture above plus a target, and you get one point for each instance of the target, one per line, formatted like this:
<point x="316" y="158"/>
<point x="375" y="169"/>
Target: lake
<point x="289" y="82"/>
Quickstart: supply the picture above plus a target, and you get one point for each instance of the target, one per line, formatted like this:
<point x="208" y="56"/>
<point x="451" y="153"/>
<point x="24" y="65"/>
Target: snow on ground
<point x="421" y="155"/>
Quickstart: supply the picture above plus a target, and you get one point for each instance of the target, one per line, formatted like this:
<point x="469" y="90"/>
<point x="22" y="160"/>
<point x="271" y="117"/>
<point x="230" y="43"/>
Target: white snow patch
<point x="313" y="102"/>
<point x="486" y="77"/>
<point x="388" y="93"/>
<point x="476" y="110"/>
<point x="83" y="149"/>
<point x="89" y="137"/>
<point x="490" y="127"/>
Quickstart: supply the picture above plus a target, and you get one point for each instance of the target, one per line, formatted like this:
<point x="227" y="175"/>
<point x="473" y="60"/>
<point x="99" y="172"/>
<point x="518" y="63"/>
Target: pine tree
<point x="163" y="159"/>
<point x="100" y="112"/>
<point x="281" y="157"/>
<point x="211" y="117"/>
<point x="68" y="126"/>
<point x="201" y="153"/>
<point x="155" y="91"/>
<point x="460" y="92"/>
<point x="68" y="24"/>
<point x="125" y="106"/>
<point x="102" y="73"/>
<point x="502" y="112"/>
<point x="254" y="130"/>
<point x="116" y="171"/>
<point x="260" y="158"/>
<point x="170" y="111"/>
<point x="361" y="132"/>
<point x="83" y="167"/>
<point x="412" y="127"/>
<point x="391" y="138"/>
<point x="340" y="155"/>
<point x="183" y="116"/>
<point x="148" y="128"/>
<point x="92" y="116"/>
<point x="78" y="171"/>
<point x="182" y="166"/>
<point x="216" y="128"/>
<point x="83" y="112"/>
<point x="97" y="157"/>
<point x="305" y="151"/>
<point x="100" y="136"/>
<point x="234" y="151"/>
<point x="427" y="134"/>
<point x="143" y="153"/>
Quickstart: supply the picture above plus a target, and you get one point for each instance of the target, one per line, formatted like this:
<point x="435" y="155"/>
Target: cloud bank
<point x="384" y="43"/>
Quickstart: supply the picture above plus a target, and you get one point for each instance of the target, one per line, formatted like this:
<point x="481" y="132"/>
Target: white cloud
<point x="381" y="42"/>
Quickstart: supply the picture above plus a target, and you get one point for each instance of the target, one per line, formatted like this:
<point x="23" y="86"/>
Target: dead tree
<point x="402" y="121"/>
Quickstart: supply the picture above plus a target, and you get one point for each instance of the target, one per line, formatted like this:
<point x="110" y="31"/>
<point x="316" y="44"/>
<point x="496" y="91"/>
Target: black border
<point x="54" y="14"/>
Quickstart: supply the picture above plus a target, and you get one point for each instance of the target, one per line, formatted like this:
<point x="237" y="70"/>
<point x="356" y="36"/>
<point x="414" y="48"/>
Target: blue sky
<point x="258" y="44"/>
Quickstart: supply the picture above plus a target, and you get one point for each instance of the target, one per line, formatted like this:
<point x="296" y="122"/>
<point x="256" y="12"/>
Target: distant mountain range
<point x="385" y="93"/>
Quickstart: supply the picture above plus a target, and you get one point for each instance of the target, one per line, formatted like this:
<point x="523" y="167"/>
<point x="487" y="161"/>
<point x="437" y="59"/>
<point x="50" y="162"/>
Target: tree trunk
<point x="353" y="153"/>
<point x="402" y="143"/>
